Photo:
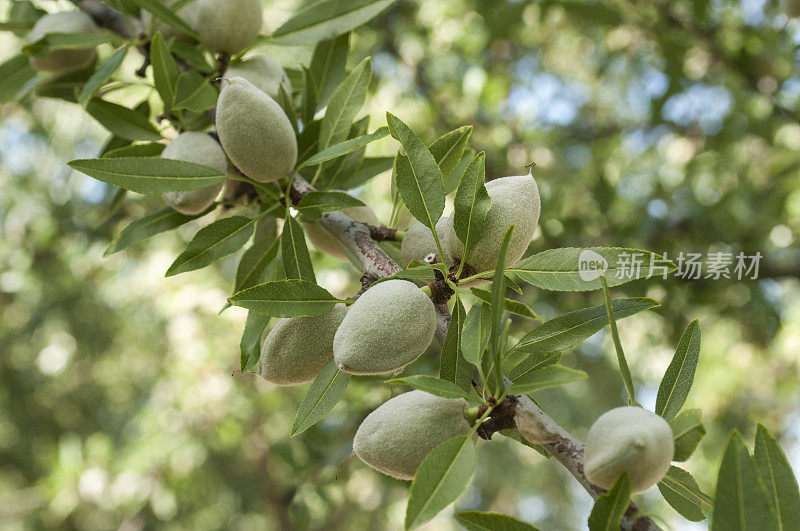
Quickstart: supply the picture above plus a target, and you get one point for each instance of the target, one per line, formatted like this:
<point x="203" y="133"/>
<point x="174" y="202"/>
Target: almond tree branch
<point x="533" y="424"/>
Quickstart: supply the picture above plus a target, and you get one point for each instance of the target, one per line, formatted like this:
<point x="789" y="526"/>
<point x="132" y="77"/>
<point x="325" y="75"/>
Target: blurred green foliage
<point x="669" y="126"/>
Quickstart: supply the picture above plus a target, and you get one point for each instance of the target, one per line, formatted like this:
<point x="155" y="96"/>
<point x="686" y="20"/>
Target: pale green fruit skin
<point x="396" y="437"/>
<point x="296" y="349"/>
<point x="264" y="72"/>
<point x="388" y="327"/>
<point x="60" y="61"/>
<point x="418" y="242"/>
<point x="255" y="132"/>
<point x="200" y="149"/>
<point x="515" y="201"/>
<point x="226" y="26"/>
<point x="628" y="439"/>
<point x="327" y="243"/>
<point x="791" y="8"/>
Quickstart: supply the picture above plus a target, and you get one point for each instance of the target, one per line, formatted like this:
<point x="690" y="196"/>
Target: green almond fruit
<point x="66" y="59"/>
<point x="264" y="72"/>
<point x="199" y="148"/>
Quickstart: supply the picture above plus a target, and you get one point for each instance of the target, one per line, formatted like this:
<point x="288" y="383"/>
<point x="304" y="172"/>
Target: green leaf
<point x="15" y="73"/>
<point x="441" y="479"/>
<point x="194" y="92"/>
<point x="534" y="362"/>
<point x="681" y="492"/>
<point x="256" y="258"/>
<point x="215" y="241"/>
<point x="781" y="485"/>
<point x="150" y="149"/>
<point x="165" y="70"/>
<point x="101" y="75"/>
<point x="569" y="329"/>
<point x="688" y="430"/>
<point x="579" y="269"/>
<point x="61" y="41"/>
<point x="165" y="14"/>
<point x="609" y="507"/>
<point x="476" y="332"/>
<point x="472" y="203"/>
<point x="327" y="19"/>
<point x="679" y="376"/>
<point x="149" y="175"/>
<point x="478" y="521"/>
<point x="369" y="168"/>
<point x="343" y="148"/>
<point x="285" y="101"/>
<point x="324" y="393"/>
<point x="327" y="64"/>
<point x="344" y="105"/>
<point x="331" y="172"/>
<point x="545" y="378"/>
<point x="309" y="107"/>
<point x="296" y="260"/>
<point x="286" y="298"/>
<point x="192" y="55"/>
<point x="250" y="344"/>
<point x="419" y="179"/>
<point x="122" y="121"/>
<point x="741" y="499"/>
<point x="317" y="202"/>
<point x="452" y="181"/>
<point x="498" y="309"/>
<point x="434" y="386"/>
<point x="150" y="225"/>
<point x="517" y="307"/>
<point x="448" y="149"/>
<point x="453" y="367"/>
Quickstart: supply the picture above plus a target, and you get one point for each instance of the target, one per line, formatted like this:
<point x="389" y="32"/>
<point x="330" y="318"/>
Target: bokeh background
<point x="670" y="126"/>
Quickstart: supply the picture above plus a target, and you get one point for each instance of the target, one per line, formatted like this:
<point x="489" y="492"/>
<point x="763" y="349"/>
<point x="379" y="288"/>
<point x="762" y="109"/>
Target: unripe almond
<point x="296" y="349"/>
<point x="326" y="242"/>
<point x="226" y="26"/>
<point x="628" y="439"/>
<point x="418" y="242"/>
<point x="200" y="149"/>
<point x="396" y="437"/>
<point x="66" y="59"/>
<point x="255" y="132"/>
<point x="388" y="327"/>
<point x="515" y="201"/>
<point x="264" y="72"/>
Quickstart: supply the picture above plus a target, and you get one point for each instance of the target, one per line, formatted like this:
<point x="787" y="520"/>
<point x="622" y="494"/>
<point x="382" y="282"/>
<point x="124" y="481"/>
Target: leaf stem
<point x="623" y="364"/>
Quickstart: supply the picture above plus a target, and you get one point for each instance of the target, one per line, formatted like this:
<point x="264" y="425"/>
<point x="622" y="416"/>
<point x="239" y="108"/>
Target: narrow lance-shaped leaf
<point x="66" y="41"/>
<point x="545" y="378"/>
<point x="569" y="329"/>
<point x="309" y="106"/>
<point x="165" y="70"/>
<point x="688" y="430"/>
<point x="327" y="202"/>
<point x="448" y="149"/>
<point x="286" y="298"/>
<point x="472" y="203"/>
<point x="294" y="251"/>
<point x="215" y="241"/>
<point x="580" y="269"/>
<point x="327" y="19"/>
<point x="418" y="177"/>
<point x="679" y="376"/>
<point x="101" y="75"/>
<point x="327" y="64"/>
<point x="479" y="521"/>
<point x="343" y="148"/>
<point x="165" y="14"/>
<point x="149" y="149"/>
<point x="534" y="362"/>
<point x="369" y="168"/>
<point x="258" y="256"/>
<point x="345" y="104"/>
<point x="250" y="343"/>
<point x="608" y="509"/>
<point x="441" y="479"/>
<point x="517" y="307"/>
<point x="122" y="121"/>
<point x="453" y="367"/>
<point x="164" y="220"/>
<point x="194" y="92"/>
<point x="741" y="501"/>
<point x="476" y="331"/>
<point x="324" y="393"/>
<point x="434" y="386"/>
<point x="682" y="493"/>
<point x="780" y="482"/>
<point x="149" y="175"/>
<point x="498" y="310"/>
<point x="342" y="167"/>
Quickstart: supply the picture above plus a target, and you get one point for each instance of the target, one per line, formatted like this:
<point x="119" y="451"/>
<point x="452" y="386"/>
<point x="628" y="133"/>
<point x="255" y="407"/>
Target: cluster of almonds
<point x="393" y="322"/>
